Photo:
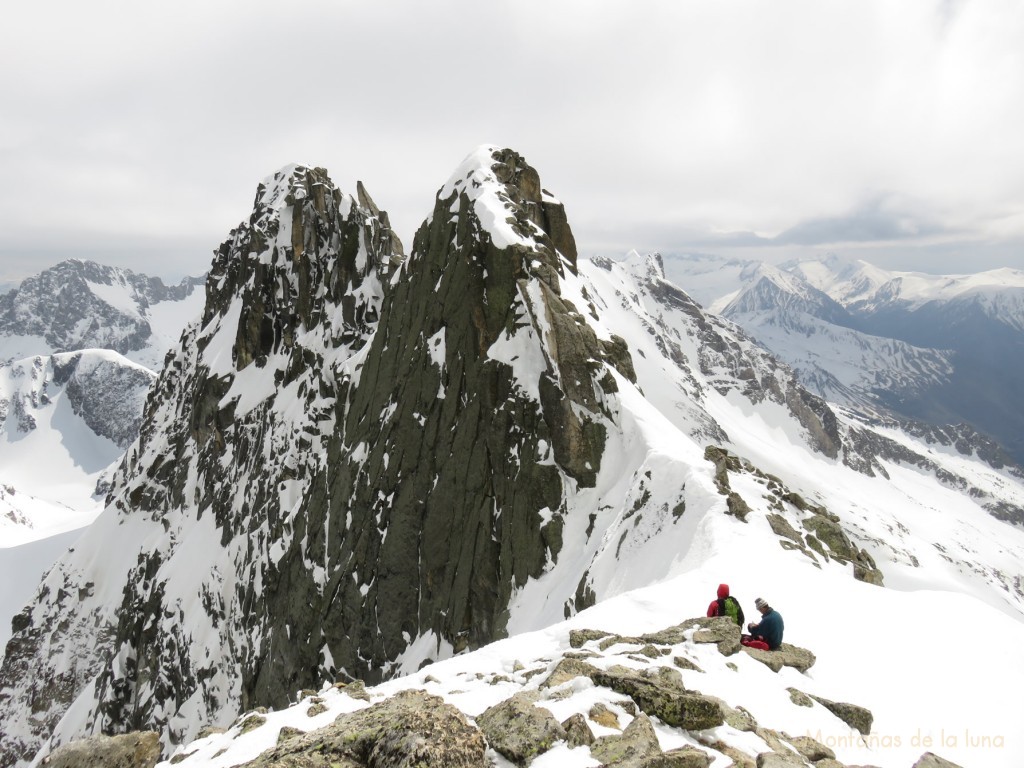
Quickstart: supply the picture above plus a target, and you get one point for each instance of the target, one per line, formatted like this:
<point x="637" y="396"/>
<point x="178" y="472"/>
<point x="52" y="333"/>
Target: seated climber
<point x="767" y="633"/>
<point x="726" y="605"/>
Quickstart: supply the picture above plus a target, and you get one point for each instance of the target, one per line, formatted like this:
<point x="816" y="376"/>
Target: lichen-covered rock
<point x="810" y="748"/>
<point x="580" y="637"/>
<point x="683" y="757"/>
<point x="800" y="698"/>
<point x="520" y="730"/>
<point x="780" y="760"/>
<point x="577" y="731"/>
<point x="601" y="715"/>
<point x="411" y="728"/>
<point x="785" y="655"/>
<point x="718" y="629"/>
<point x="638" y="742"/>
<point x="129" y="750"/>
<point x="660" y="693"/>
<point x="854" y="716"/>
<point x="568" y="669"/>
<point x="781" y="527"/>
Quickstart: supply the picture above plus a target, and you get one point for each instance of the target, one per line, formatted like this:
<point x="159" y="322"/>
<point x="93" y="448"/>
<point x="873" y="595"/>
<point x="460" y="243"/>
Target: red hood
<point x="723" y="590"/>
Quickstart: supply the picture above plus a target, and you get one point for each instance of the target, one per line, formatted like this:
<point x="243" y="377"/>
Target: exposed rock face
<point x="129" y="750"/>
<point x="233" y="445"/>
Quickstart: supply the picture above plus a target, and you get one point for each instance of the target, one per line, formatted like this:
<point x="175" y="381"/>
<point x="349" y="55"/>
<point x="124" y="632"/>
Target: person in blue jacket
<point x="767" y="633"/>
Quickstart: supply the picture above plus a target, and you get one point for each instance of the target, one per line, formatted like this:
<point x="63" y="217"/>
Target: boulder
<point x="779" y="760"/>
<point x="718" y="629"/>
<point x="140" y="749"/>
<point x="601" y="715"/>
<point x="519" y="730"/>
<point x="568" y="669"/>
<point x="781" y="527"/>
<point x="580" y="637"/>
<point x="810" y="748"/>
<point x="631" y="748"/>
<point x="683" y="757"/>
<point x="800" y="698"/>
<point x="660" y="693"/>
<point x="854" y="716"/>
<point x="931" y="760"/>
<point x="410" y="728"/>
<point x="785" y="655"/>
<point x="577" y="732"/>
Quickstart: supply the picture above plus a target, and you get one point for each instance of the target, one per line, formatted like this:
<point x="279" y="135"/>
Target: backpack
<point x="729" y="606"/>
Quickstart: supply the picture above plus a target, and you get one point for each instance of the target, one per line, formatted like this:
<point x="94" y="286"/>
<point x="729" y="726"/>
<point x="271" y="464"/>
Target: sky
<point x="135" y="134"/>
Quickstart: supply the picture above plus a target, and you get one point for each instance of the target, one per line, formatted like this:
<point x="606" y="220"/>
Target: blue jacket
<point x="769" y="629"/>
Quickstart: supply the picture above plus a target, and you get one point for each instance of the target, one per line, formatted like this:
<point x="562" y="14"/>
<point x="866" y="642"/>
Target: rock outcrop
<point x="409" y="729"/>
<point x="613" y="711"/>
<point x="129" y="750"/>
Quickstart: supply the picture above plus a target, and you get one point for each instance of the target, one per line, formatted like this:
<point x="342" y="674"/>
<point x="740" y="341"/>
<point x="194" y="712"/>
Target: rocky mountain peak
<point x="306" y="249"/>
<point x="347" y="467"/>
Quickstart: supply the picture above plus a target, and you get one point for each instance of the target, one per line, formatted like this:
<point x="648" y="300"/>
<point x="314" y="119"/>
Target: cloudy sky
<point x="134" y="133"/>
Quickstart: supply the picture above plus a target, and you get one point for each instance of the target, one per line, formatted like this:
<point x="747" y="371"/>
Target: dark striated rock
<point x="411" y="728"/>
<point x="335" y="388"/>
<point x="129" y="750"/>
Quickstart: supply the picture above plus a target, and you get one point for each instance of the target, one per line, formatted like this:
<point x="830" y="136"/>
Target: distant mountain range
<point x="80" y="346"/>
<point x="937" y="349"/>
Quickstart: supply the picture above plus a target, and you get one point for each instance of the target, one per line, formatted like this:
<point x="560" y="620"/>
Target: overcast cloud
<point x="135" y="133"/>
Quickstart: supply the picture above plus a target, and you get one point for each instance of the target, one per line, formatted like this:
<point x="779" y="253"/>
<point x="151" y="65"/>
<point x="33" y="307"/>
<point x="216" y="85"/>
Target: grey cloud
<point x="879" y="219"/>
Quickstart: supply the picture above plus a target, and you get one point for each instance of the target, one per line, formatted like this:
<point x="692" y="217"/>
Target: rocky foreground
<point x="609" y="700"/>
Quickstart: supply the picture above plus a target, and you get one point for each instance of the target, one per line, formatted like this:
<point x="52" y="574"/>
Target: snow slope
<point x="930" y="664"/>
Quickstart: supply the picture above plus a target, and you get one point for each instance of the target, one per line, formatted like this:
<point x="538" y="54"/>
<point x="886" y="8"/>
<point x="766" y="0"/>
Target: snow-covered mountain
<point x="929" y="348"/>
<point x="79" y="305"/>
<point x="68" y="411"/>
<point x="80" y="345"/>
<point x="356" y="463"/>
<point x="63" y="420"/>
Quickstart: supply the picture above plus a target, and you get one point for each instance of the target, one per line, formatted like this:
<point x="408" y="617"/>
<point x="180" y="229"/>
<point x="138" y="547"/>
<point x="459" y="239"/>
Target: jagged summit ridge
<point x="232" y="440"/>
<point x="313" y="429"/>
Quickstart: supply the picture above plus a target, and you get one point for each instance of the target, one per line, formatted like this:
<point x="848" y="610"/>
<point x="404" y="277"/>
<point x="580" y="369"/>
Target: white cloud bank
<point x="138" y="131"/>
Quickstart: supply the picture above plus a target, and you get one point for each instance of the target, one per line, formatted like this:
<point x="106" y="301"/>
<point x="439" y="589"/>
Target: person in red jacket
<point x="726" y="605"/>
